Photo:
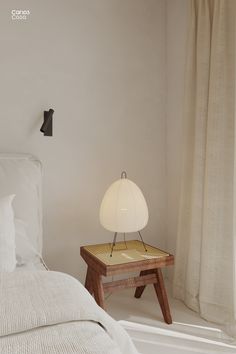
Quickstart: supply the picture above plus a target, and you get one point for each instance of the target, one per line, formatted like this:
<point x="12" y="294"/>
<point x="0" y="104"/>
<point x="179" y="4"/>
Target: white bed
<point x="37" y="264"/>
<point x="43" y="311"/>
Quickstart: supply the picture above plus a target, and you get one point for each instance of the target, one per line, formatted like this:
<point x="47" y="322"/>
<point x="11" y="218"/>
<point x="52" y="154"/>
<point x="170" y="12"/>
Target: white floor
<point x="189" y="333"/>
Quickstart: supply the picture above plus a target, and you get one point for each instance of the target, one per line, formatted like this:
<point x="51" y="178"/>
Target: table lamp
<point x="124" y="209"/>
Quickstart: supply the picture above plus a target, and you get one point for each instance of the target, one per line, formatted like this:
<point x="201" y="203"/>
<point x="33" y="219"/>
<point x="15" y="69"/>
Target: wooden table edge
<point x="107" y="270"/>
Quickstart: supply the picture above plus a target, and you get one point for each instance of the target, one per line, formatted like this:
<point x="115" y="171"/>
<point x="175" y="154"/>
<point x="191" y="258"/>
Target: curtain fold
<point x="205" y="259"/>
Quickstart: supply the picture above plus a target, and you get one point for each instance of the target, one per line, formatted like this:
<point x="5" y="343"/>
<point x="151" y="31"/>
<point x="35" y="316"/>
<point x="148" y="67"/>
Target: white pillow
<point x="25" y="252"/>
<point x="7" y="235"/>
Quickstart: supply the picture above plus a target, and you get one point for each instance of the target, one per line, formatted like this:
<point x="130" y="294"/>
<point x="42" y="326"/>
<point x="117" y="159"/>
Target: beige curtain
<point x="205" y="261"/>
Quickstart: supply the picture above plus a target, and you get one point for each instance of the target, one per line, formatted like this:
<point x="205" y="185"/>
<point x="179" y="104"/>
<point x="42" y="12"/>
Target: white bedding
<point x="50" y="312"/>
<point x="34" y="264"/>
<point x="21" y="174"/>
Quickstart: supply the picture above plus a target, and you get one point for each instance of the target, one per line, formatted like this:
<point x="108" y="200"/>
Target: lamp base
<point x="114" y="242"/>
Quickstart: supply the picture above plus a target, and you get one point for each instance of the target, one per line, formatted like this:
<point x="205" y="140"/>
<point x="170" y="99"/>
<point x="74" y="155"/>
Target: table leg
<point x="98" y="289"/>
<point x="140" y="289"/>
<point x="162" y="296"/>
<point x="88" y="281"/>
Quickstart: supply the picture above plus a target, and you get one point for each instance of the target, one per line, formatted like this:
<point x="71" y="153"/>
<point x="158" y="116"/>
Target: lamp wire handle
<point x="123" y="174"/>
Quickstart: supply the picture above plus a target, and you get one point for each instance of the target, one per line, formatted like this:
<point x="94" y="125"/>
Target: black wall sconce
<point x="47" y="123"/>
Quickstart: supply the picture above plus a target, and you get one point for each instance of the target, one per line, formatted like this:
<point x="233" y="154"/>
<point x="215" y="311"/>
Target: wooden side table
<point x="127" y="257"/>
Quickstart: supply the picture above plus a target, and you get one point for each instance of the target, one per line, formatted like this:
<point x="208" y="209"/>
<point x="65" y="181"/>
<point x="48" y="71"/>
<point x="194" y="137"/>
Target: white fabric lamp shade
<point x="124" y="208"/>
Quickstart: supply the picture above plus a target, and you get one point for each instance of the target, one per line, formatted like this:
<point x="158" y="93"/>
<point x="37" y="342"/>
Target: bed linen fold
<point x="34" y="304"/>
